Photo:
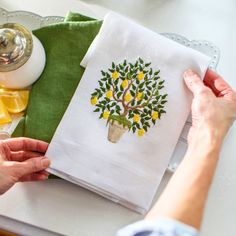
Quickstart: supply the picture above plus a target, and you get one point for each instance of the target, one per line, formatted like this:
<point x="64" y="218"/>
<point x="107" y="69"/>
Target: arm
<point x="184" y="197"/>
<point x="213" y="112"/>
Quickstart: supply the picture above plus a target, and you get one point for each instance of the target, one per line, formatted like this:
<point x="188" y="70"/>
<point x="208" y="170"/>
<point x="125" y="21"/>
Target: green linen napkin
<point x="65" y="45"/>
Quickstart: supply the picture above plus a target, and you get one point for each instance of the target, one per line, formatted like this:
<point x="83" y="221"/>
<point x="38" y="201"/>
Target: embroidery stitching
<point x="129" y="98"/>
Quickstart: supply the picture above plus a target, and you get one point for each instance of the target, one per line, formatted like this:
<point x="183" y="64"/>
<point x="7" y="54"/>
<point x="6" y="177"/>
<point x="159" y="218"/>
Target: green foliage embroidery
<point x="129" y="93"/>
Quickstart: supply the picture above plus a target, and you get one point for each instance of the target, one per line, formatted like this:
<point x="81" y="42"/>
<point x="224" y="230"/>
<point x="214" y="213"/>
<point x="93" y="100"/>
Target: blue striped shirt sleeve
<point x="159" y="227"/>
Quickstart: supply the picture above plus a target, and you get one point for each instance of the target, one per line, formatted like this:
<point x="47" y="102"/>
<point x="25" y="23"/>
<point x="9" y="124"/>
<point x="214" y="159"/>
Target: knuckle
<point x="21" y="154"/>
<point x="4" y="151"/>
<point x="14" y="170"/>
<point x="24" y="143"/>
<point x="203" y="91"/>
<point x="202" y="104"/>
<point x="34" y="165"/>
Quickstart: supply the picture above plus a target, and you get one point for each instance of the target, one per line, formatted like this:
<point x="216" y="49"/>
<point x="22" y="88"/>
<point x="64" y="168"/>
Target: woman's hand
<point x="213" y="107"/>
<point x="22" y="159"/>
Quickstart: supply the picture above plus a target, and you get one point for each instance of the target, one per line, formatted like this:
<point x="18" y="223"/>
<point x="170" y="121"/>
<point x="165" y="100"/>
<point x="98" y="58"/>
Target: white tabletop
<point x="64" y="208"/>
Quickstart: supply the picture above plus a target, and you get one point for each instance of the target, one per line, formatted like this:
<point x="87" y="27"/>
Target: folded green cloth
<point x="65" y="45"/>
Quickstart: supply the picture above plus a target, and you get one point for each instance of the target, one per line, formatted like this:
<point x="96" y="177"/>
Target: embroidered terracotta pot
<point x="115" y="131"/>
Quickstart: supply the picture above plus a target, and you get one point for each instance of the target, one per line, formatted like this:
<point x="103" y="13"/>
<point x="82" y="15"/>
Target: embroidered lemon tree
<point x="129" y="98"/>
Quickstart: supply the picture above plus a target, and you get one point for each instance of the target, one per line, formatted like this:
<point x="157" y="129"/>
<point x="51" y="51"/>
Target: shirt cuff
<point x="161" y="226"/>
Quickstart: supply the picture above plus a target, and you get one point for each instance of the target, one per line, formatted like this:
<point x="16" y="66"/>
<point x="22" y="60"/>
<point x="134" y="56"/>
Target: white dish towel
<point x="129" y="171"/>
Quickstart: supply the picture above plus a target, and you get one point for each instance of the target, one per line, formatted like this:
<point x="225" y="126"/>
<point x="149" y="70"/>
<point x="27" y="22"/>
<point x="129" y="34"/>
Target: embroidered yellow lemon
<point x="141" y="132"/>
<point x="155" y="115"/>
<point x="128" y="97"/>
<point x="115" y="75"/>
<point x="109" y="94"/>
<point x="94" y="101"/>
<point x="105" y="115"/>
<point x="140" y="75"/>
<point x="124" y="83"/>
<point x="139" y="96"/>
<point x="136" y="118"/>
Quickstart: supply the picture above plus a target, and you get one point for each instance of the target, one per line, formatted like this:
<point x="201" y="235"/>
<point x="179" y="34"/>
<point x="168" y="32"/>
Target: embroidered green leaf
<point x="162" y="111"/>
<point x="163" y="102"/>
<point x="119" y="94"/>
<point x="164" y="96"/>
<point x="107" y="86"/>
<point x="116" y="82"/>
<point x="138" y="126"/>
<point x="132" y="93"/>
<point x="141" y="61"/>
<point x="96" y="110"/>
<point x="150" y="71"/>
<point x="145" y="128"/>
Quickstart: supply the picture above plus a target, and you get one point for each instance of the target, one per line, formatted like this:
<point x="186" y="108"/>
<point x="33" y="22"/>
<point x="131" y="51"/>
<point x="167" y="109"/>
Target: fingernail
<point x="45" y="162"/>
<point x="46" y="177"/>
<point x="188" y="73"/>
<point x="43" y="177"/>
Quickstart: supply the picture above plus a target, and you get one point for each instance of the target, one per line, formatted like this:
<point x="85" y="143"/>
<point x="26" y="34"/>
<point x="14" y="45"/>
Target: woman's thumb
<point x="194" y="82"/>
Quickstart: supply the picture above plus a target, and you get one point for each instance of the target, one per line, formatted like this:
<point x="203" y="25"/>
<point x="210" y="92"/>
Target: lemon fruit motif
<point x="124" y="83"/>
<point x="155" y="115"/>
<point x="136" y="118"/>
<point x="115" y="75"/>
<point x="109" y="94"/>
<point x="94" y="101"/>
<point x="128" y="97"/>
<point x="141" y="132"/>
<point x="139" y="96"/>
<point x="140" y="76"/>
<point x="105" y="115"/>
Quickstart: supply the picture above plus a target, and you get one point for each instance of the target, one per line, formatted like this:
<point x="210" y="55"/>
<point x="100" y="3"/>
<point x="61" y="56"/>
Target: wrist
<point x="206" y="139"/>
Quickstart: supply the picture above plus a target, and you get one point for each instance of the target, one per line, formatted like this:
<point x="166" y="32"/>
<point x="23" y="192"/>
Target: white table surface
<point x="64" y="208"/>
